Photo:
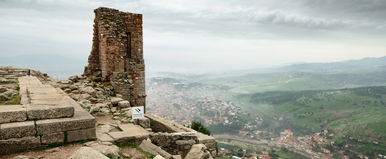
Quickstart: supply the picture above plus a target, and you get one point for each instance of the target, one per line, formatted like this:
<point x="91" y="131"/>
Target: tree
<point x="200" y="127"/>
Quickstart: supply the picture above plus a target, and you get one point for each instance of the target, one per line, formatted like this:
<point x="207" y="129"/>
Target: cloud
<point x="202" y="34"/>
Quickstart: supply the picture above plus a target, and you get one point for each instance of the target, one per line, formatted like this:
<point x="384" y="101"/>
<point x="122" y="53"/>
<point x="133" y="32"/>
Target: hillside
<point x="358" y="114"/>
<point x="346" y="99"/>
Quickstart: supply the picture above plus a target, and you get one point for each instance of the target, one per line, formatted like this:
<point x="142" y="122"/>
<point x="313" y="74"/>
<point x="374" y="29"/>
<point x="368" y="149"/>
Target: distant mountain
<point x="365" y="63"/>
<point x="57" y="66"/>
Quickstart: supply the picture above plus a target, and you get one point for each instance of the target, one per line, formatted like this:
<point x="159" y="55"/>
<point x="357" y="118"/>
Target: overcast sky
<point x="203" y="35"/>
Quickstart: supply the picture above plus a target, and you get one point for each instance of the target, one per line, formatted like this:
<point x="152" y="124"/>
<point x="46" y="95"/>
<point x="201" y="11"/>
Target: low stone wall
<point x="159" y="124"/>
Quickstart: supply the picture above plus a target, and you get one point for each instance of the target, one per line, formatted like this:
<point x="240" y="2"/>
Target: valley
<point x="331" y="113"/>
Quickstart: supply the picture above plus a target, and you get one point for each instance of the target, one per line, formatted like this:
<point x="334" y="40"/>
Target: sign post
<point x="137" y="112"/>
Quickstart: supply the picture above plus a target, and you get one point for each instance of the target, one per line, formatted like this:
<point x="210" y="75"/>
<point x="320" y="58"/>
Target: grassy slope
<point x="357" y="112"/>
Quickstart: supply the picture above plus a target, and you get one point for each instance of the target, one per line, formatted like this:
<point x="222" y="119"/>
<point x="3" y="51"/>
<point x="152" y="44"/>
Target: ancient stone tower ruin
<point x="117" y="53"/>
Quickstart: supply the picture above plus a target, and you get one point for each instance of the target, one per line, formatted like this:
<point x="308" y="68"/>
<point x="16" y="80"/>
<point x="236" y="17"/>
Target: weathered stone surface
<point x="104" y="137"/>
<point x="12" y="113"/>
<point x="15" y="144"/>
<point x="87" y="153"/>
<point x="52" y="138"/>
<point x="144" y="122"/>
<point x="175" y="143"/>
<point x="124" y="104"/>
<point x="108" y="150"/>
<point x="83" y="134"/>
<point x="147" y="146"/>
<point x="17" y="130"/>
<point x="159" y="124"/>
<point x="158" y="157"/>
<point x="115" y="101"/>
<point x="36" y="112"/>
<point x="81" y="120"/>
<point x="24" y="157"/>
<point x="129" y="133"/>
<point x="209" y="142"/>
<point x="198" y="151"/>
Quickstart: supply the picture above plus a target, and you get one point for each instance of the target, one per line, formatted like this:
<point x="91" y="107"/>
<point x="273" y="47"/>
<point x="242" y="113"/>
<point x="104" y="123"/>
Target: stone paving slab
<point x="57" y="118"/>
<point x="130" y="133"/>
<point x="12" y="113"/>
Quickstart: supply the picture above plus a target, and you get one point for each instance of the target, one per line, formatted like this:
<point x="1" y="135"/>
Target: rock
<point x="3" y="89"/>
<point x="175" y="143"/>
<point x="85" y="103"/>
<point x="65" y="82"/>
<point x="88" y="90"/>
<point x="73" y="78"/>
<point x="115" y="100"/>
<point x="84" y="96"/>
<point x="158" y="157"/>
<point x="128" y="113"/>
<point x="101" y="105"/>
<point x="87" y="153"/>
<point x="149" y="147"/>
<point x="94" y="109"/>
<point x="105" y="110"/>
<point x="124" y="104"/>
<point x="198" y="151"/>
<point x="108" y="150"/>
<point x="24" y="157"/>
<point x="144" y="122"/>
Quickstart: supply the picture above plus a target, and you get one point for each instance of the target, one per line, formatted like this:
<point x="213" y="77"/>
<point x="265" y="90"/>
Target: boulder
<point x="198" y="151"/>
<point x="87" y="153"/>
<point x="73" y="78"/>
<point x="115" y="100"/>
<point x="124" y="104"/>
<point x="88" y="90"/>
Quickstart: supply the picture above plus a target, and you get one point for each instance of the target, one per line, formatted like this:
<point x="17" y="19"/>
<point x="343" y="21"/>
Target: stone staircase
<point x="47" y="116"/>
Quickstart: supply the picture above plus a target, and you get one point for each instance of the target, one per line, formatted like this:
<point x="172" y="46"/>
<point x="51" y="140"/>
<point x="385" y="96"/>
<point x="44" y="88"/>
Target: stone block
<point x="36" y="112"/>
<point x="17" y="130"/>
<point x="129" y="133"/>
<point x="12" y="113"/>
<point x="53" y="138"/>
<point x="79" y="135"/>
<point x="124" y="104"/>
<point x="144" y="122"/>
<point x="81" y="120"/>
<point x="16" y="144"/>
<point x="147" y="146"/>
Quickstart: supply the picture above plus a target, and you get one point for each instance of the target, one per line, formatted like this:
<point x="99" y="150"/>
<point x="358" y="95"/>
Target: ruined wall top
<point x="117" y="53"/>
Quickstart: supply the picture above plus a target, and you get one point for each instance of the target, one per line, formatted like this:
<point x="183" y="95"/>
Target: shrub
<point x="200" y="127"/>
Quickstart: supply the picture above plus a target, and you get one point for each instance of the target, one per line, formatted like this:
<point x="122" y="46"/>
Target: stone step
<point x="47" y="116"/>
<point x="17" y="113"/>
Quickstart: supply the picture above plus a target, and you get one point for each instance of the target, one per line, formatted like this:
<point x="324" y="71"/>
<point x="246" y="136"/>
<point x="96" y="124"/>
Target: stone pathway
<point x="46" y="116"/>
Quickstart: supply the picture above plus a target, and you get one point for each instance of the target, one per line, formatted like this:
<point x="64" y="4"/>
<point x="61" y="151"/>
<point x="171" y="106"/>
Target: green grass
<point x="357" y="112"/>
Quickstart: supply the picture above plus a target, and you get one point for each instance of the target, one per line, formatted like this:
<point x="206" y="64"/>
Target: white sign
<point x="137" y="112"/>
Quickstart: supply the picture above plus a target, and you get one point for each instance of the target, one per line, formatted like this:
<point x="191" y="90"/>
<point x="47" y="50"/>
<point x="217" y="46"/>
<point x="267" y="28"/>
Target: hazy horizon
<point x="199" y="36"/>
